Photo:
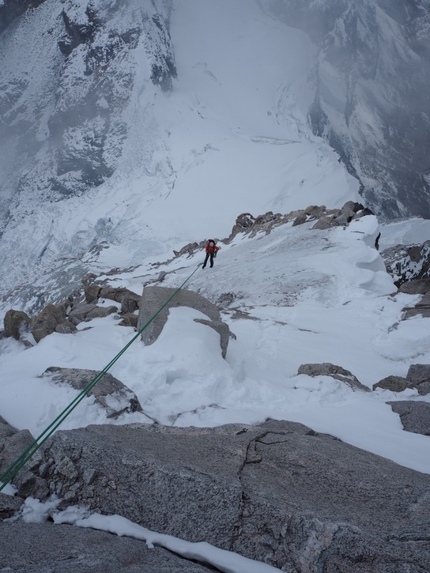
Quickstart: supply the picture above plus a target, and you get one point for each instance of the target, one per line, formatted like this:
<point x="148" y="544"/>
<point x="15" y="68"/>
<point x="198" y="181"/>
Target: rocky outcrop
<point x="64" y="317"/>
<point x="109" y="392"/>
<point x="153" y="299"/>
<point x="277" y="492"/>
<point x="336" y="372"/>
<point x="43" y="547"/>
<point x="408" y="262"/>
<point x="415" y="416"/>
<point x="249" y="225"/>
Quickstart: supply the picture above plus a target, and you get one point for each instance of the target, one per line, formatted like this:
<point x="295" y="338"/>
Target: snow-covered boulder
<point x="110" y="393"/>
<point x="153" y="299"/>
<point x="336" y="372"/>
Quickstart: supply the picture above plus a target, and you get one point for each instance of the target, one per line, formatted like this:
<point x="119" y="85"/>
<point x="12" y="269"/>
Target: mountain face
<point x="137" y="125"/>
<point x="371" y="96"/>
<point x="64" y="91"/>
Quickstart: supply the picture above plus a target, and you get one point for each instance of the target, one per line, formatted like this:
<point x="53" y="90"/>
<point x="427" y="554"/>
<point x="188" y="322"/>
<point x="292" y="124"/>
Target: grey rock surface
<point x="277" y="492"/>
<point x="415" y="416"/>
<point x="109" y="392"/>
<point x="154" y="297"/>
<point x="49" y="548"/>
<point x="336" y="372"/>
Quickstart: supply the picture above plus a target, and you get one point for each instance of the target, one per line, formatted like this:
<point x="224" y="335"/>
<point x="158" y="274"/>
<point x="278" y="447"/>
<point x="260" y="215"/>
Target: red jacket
<point x="210" y="249"/>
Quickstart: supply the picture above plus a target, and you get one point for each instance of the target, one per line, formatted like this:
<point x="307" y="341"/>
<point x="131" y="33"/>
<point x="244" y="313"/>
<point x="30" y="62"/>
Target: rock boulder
<point x="15" y="322"/>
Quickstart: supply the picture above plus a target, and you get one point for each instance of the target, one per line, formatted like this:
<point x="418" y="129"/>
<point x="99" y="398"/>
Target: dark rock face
<point x="277" y="492"/>
<point x="370" y="93"/>
<point x="43" y="547"/>
<point x="408" y="262"/>
<point x="415" y="416"/>
<point x="109" y="392"/>
<point x="153" y="299"/>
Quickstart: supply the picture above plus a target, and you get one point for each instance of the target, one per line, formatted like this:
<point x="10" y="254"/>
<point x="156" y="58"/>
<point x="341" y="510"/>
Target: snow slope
<point x="295" y="296"/>
<point x="229" y="138"/>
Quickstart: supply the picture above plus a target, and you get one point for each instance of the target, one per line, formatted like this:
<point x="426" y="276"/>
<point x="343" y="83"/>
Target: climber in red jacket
<point x="211" y="251"/>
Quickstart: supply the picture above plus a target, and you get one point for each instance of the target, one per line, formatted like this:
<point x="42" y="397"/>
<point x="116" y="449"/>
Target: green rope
<point x="17" y="465"/>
